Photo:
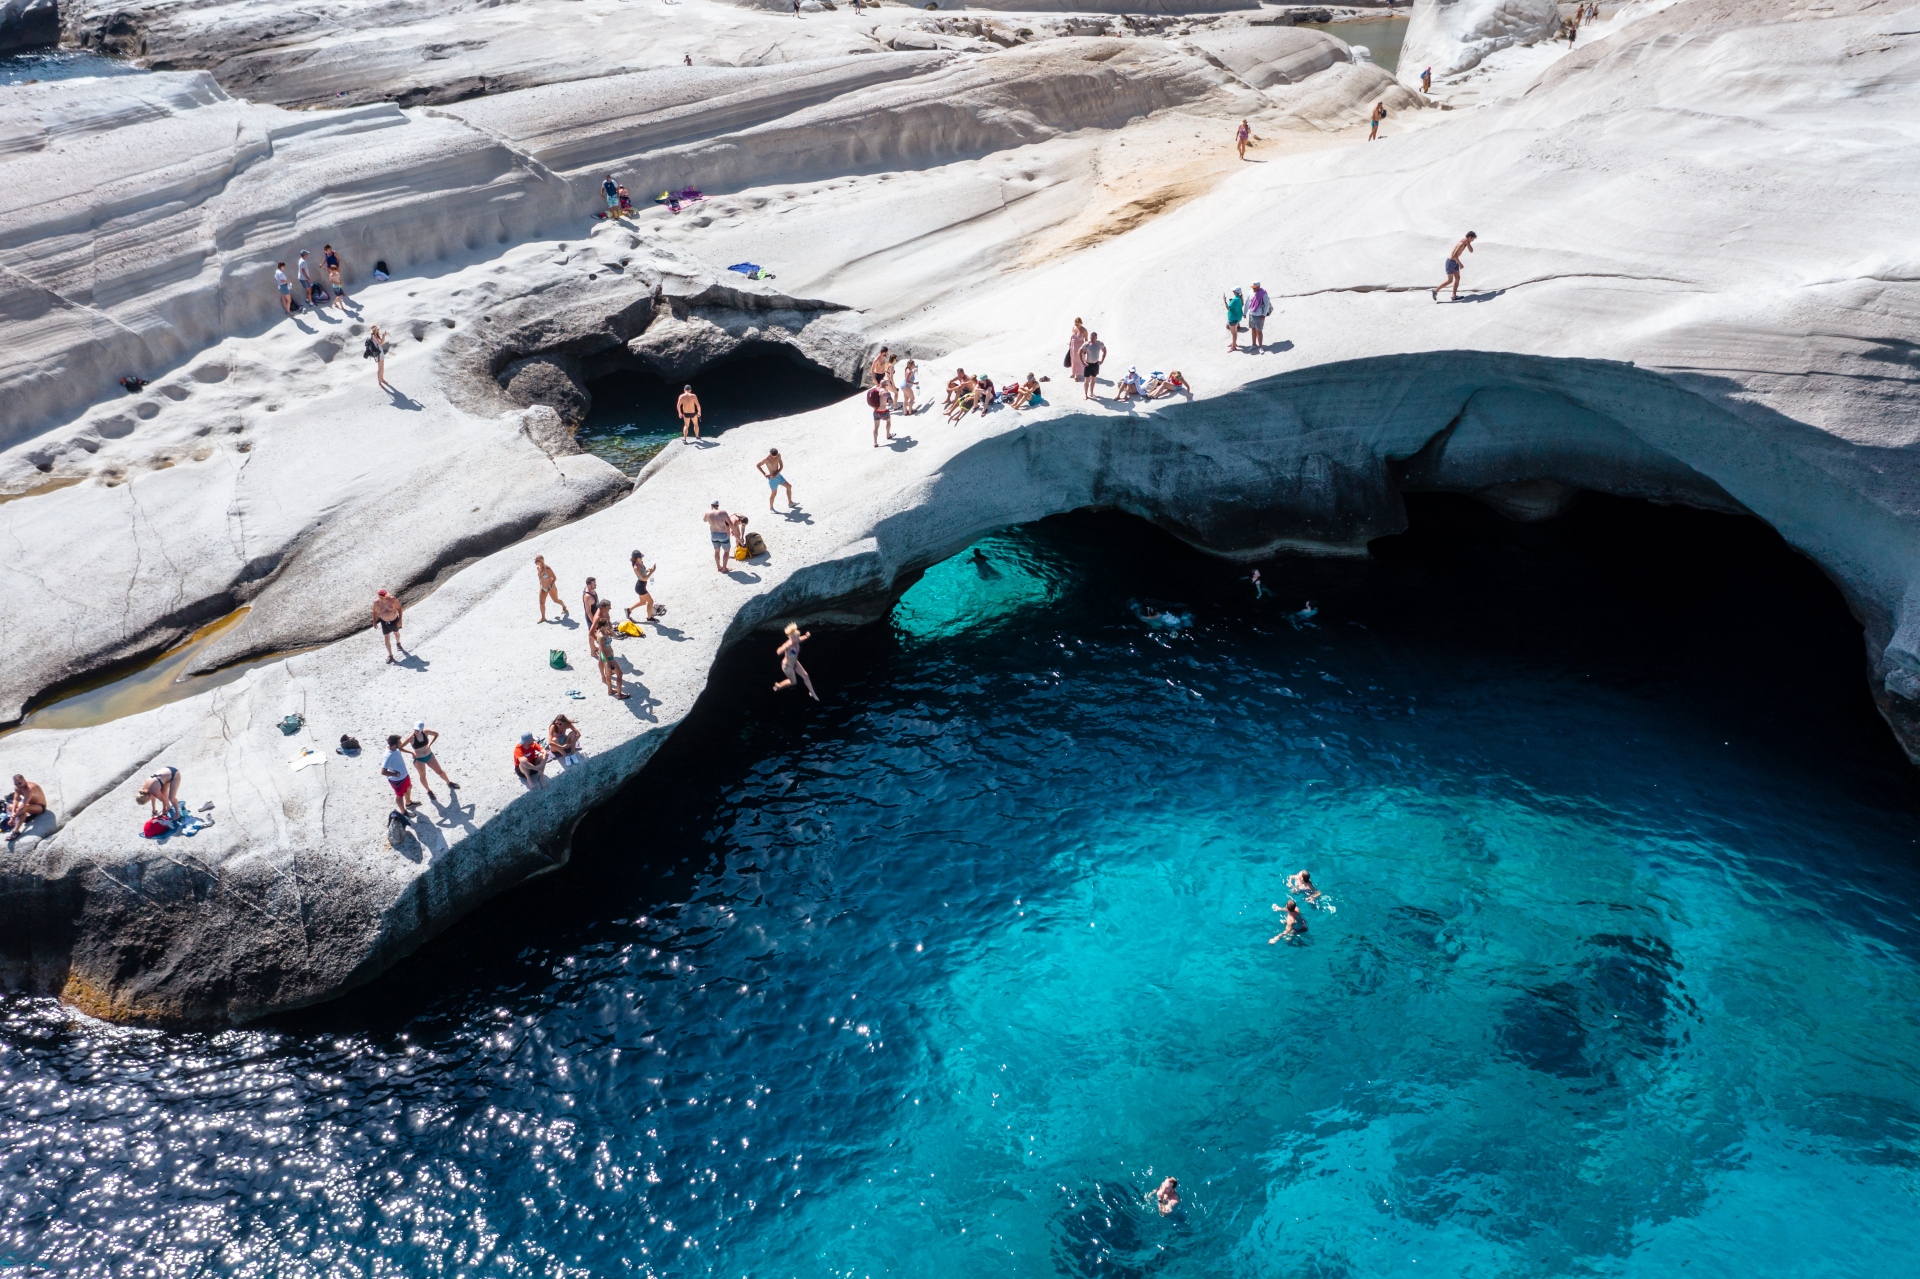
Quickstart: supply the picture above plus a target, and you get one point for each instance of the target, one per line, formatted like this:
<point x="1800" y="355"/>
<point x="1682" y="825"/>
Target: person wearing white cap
<point x="1132" y="384"/>
<point x="420" y="746"/>
<point x="1259" y="307"/>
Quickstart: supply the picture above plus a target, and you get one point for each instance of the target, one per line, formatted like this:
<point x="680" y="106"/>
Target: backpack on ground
<point x="396" y="828"/>
<point x="756" y="545"/>
<point x="557" y="658"/>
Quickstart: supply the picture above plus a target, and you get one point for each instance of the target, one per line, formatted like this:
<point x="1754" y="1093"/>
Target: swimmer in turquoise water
<point x="1295" y="924"/>
<point x="1302" y="883"/>
<point x="1168" y="1195"/>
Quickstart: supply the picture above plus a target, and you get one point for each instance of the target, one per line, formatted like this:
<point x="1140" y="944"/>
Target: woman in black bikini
<point x="641" y="575"/>
<point x="420" y="745"/>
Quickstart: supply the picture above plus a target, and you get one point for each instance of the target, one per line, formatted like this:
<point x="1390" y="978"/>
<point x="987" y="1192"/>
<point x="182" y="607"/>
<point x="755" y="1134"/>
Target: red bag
<point x="156" y="827"/>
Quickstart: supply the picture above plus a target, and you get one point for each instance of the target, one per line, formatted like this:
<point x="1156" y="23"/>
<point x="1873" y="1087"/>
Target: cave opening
<point x="633" y="416"/>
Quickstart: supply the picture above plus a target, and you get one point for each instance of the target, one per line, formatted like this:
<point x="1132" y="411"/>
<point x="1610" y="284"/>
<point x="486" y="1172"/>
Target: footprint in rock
<point x="213" y="371"/>
<point x="174" y="393"/>
<point x="147" y="412"/>
<point x="325" y="349"/>
<point x="117" y="427"/>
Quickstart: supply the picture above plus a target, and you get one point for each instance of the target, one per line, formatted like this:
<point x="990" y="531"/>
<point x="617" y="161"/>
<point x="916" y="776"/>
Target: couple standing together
<point x="1254" y="310"/>
<point x="1085" y="351"/>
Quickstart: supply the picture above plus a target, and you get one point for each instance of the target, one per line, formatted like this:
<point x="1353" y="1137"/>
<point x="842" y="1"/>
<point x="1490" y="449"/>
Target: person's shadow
<point x="901" y="443"/>
<point x="301" y="324"/>
<point x="1268" y="348"/>
<point x="741" y="575"/>
<point x="401" y="401"/>
<point x="413" y="662"/>
<point x="798" y="517"/>
<point x="661" y="628"/>
<point x="1487" y="296"/>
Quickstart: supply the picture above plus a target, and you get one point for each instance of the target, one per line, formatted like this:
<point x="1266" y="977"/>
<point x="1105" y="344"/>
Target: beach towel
<point x="745" y="268"/>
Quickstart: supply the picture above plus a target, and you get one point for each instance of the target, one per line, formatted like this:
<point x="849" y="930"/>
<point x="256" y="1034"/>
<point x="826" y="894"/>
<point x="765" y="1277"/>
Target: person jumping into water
<point x="789" y="652"/>
<point x="1453" y="267"/>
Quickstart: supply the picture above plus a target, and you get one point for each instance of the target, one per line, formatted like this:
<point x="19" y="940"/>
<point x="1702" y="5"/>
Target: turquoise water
<point x="59" y="64"/>
<point x="942" y="976"/>
<point x="1383" y="38"/>
<point x="633" y="416"/>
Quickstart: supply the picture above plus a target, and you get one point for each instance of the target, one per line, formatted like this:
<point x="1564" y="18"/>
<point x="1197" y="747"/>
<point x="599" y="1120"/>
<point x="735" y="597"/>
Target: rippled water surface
<point x="1616" y="974"/>
<point x="59" y="64"/>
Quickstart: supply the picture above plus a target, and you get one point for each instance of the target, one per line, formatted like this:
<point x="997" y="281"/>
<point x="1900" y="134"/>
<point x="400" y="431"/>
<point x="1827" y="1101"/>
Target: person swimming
<point x="1306" y="614"/>
<point x="1161" y="617"/>
<point x="1302" y="883"/>
<point x="1295" y="924"/>
<point x="1168" y="1195"/>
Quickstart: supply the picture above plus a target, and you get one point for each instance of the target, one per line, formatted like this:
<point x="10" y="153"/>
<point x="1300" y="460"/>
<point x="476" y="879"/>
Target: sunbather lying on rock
<point x="1159" y="387"/>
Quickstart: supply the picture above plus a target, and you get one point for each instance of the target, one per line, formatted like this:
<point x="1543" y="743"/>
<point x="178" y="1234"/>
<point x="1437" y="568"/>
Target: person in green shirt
<point x="1236" y="311"/>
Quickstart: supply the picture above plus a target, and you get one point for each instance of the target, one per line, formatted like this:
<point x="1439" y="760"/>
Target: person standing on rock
<point x="549" y="588"/>
<point x="1259" y="307"/>
<point x="641" y="577"/>
<point x="602" y="633"/>
<point x="789" y="652"/>
<point x="1453" y="267"/>
<point x="611" y="189"/>
<point x="1091" y="354"/>
<point x="305" y="275"/>
<point x="331" y="261"/>
<point x="773" y="466"/>
<point x="719" y="531"/>
<point x="388" y="612"/>
<point x="1236" y="311"/>
<point x="688" y="407"/>
<point x="161" y="791"/>
<point x="1241" y="137"/>
<point x="1426" y="80"/>
<point x="394" y="769"/>
<point x="420" y="746"/>
<point x="1077" y="340"/>
<point x="590" y="604"/>
<point x="1379" y="114"/>
<point x="376" y="351"/>
<point x="285" y="286"/>
<point x="879" y="367"/>
<point x="882" y="413"/>
<point x="909" y="388"/>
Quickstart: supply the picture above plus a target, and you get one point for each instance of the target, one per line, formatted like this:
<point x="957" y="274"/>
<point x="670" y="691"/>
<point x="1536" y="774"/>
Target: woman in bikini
<point x="161" y="790"/>
<point x="909" y="387"/>
<point x="790" y="667"/>
<point x="641" y="576"/>
<point x="610" y="673"/>
<point x="419" y="744"/>
<point x="563" y="741"/>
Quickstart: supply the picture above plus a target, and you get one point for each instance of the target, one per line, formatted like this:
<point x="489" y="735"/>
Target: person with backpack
<point x="1259" y="307"/>
<point x="376" y="350"/>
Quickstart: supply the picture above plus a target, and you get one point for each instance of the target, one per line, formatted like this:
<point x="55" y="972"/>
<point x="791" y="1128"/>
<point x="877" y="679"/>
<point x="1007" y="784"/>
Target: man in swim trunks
<point x="774" y="469"/>
<point x="1090" y="356"/>
<point x="27" y="802"/>
<point x="549" y="588"/>
<point x="1379" y="114"/>
<point x="394" y="769"/>
<point x="882" y="412"/>
<point x="879" y="367"/>
<point x="1453" y="267"/>
<point x="720" y="532"/>
<point x="387" y="612"/>
<point x="688" y="407"/>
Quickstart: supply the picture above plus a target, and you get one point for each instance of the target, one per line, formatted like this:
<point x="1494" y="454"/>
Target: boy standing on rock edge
<point x="387" y="612"/>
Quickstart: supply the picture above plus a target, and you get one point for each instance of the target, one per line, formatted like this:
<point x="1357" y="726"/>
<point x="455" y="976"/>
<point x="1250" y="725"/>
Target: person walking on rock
<point x="1241" y="137"/>
<point x="1236" y="311"/>
<point x="719" y="531"/>
<point x="642" y="576"/>
<point x="1091" y="354"/>
<point x="285" y="286"/>
<point x="688" y="407"/>
<point x="394" y="769"/>
<point x="388" y="612"/>
<point x="420" y="746"/>
<point x="882" y="415"/>
<point x="1453" y="267"/>
<point x="773" y="466"/>
<point x="789" y="652"/>
<point x="1426" y="81"/>
<point x="1259" y="307"/>
<point x="377" y="352"/>
<point x="909" y="387"/>
<point x="549" y="588"/>
<point x="1379" y="114"/>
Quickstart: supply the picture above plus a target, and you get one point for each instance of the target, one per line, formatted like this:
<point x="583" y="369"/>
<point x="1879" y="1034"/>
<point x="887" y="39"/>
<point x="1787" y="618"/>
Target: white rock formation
<point x="1657" y="306"/>
<point x="1452" y="36"/>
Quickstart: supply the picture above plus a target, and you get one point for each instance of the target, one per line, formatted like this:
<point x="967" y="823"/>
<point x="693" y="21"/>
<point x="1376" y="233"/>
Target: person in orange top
<point x="529" y="761"/>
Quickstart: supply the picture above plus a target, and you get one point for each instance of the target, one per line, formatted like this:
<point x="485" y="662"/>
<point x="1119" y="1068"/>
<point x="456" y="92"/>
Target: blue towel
<point x="745" y="268"/>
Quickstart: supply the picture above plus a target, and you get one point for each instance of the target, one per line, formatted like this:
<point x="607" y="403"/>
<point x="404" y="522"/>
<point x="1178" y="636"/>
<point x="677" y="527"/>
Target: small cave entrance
<point x="633" y="415"/>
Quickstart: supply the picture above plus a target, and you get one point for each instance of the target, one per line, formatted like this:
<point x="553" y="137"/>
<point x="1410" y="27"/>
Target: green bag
<point x="557" y="659"/>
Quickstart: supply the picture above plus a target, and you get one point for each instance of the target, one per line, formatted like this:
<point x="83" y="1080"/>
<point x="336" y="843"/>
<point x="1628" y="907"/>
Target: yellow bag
<point x="628" y="628"/>
<point x="739" y="552"/>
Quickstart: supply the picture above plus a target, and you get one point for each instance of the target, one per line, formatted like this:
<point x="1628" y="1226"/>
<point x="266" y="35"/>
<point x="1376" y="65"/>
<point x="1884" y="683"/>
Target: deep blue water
<point x="939" y="978"/>
<point x="59" y="64"/>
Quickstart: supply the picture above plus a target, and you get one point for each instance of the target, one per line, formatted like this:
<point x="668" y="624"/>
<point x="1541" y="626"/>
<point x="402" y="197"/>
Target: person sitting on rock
<point x="27" y="802"/>
<point x="1029" y="393"/>
<point x="963" y="399"/>
<point x="1132" y="386"/>
<point x="1159" y="388"/>
<point x="529" y="761"/>
<point x="563" y="740"/>
<point x="983" y="393"/>
<point x="956" y="387"/>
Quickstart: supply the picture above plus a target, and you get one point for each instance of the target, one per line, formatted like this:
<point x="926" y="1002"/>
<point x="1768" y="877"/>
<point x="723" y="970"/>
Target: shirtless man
<point x="774" y="468"/>
<point x="549" y="588"/>
<point x="1303" y="884"/>
<point x="688" y="407"/>
<point x="955" y="387"/>
<point x="1295" y="924"/>
<point x="1379" y="114"/>
<point x="1453" y="267"/>
<point x="387" y="612"/>
<point x="790" y="667"/>
<point x="879" y="367"/>
<point x="27" y="802"/>
<point x="1168" y="1195"/>
<point x="719" y="531"/>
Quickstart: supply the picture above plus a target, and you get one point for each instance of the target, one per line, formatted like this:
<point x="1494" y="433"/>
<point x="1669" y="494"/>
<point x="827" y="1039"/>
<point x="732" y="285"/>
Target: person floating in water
<point x="1295" y="924"/>
<point x="1168" y="1195"/>
<point x="1306" y="614"/>
<point x="1302" y="883"/>
<point x="1259" y="590"/>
